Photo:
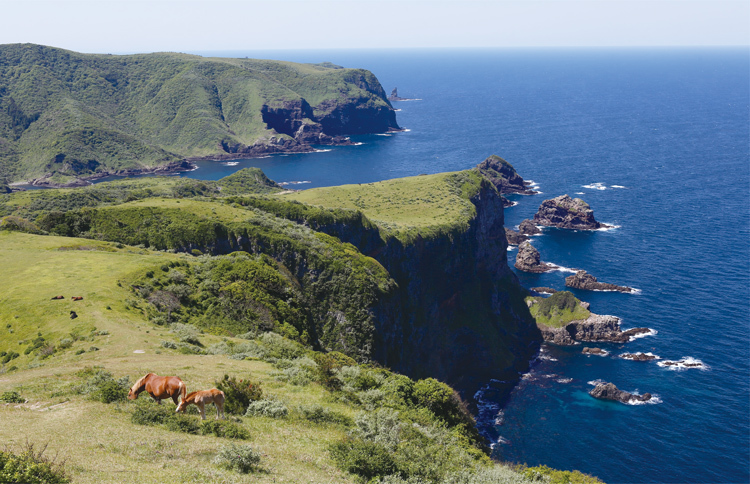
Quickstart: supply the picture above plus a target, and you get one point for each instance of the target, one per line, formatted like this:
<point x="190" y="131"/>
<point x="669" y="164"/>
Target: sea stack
<point x="567" y="213"/>
<point x="608" y="391"/>
<point x="527" y="227"/>
<point x="395" y="97"/>
<point x="505" y="178"/>
<point x="514" y="238"/>
<point x="528" y="259"/>
<point x="584" y="280"/>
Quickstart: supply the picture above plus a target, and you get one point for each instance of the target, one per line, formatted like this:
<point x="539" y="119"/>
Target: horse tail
<point x="183" y="391"/>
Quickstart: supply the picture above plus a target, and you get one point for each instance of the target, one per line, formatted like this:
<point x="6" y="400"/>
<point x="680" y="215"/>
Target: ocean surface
<point x="657" y="142"/>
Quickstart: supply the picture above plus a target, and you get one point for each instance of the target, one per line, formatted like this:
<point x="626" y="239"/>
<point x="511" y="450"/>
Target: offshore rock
<point x="505" y="178"/>
<point x="395" y="97"/>
<point x="527" y="227"/>
<point x="608" y="391"/>
<point x="528" y="259"/>
<point x="567" y="213"/>
<point x="514" y="238"/>
<point x="584" y="280"/>
<point x="594" y="351"/>
<point x="596" y="328"/>
<point x="638" y="356"/>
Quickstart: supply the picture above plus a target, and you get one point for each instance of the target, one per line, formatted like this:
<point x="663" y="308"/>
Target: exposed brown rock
<point x="505" y="178"/>
<point x="527" y="227"/>
<point x="594" y="351"/>
<point x="637" y="356"/>
<point x="514" y="238"/>
<point x="584" y="280"/>
<point x="567" y="213"/>
<point x="608" y="391"/>
<point x="528" y="259"/>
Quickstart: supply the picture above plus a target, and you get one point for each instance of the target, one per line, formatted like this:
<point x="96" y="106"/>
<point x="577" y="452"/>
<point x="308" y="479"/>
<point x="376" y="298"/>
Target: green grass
<point x="557" y="310"/>
<point x="427" y="205"/>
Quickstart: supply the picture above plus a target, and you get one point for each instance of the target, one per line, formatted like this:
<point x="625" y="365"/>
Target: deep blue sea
<point x="657" y="141"/>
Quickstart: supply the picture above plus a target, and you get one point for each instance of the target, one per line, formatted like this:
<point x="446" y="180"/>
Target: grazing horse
<point x="78" y="298"/>
<point x="159" y="387"/>
<point x="201" y="398"/>
<point x="58" y="297"/>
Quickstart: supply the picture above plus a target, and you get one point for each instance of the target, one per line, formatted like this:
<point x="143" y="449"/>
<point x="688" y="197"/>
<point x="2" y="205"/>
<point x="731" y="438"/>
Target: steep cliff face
<point x="458" y="313"/>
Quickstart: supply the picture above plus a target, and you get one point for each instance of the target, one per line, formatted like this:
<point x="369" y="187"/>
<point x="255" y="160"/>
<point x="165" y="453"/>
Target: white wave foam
<point x="609" y="227"/>
<point x="503" y="441"/>
<point x="294" y="182"/>
<point x="564" y="380"/>
<point x="406" y="130"/>
<point x="397" y="110"/>
<point x="603" y="353"/>
<point x="580" y="193"/>
<point x="358" y="143"/>
<point x="654" y="400"/>
<point x="651" y="332"/>
<point x="383" y="134"/>
<point x="547" y="358"/>
<point x="323" y="150"/>
<point x="685" y="363"/>
<point x="513" y="204"/>
<point x="231" y="163"/>
<point x="595" y="186"/>
<point x="511" y="247"/>
<point x="558" y="268"/>
<point x="618" y="186"/>
<point x="596" y="382"/>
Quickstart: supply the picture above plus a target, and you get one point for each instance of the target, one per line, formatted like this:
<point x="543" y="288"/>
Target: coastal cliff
<point x="67" y="117"/>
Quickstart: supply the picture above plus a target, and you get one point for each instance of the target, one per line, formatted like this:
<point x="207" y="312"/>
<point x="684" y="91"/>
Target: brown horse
<point x="201" y="398"/>
<point x="159" y="387"/>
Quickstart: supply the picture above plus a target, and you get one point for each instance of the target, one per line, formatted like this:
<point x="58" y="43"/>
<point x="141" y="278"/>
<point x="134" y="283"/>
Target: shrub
<point x="65" y="343"/>
<point x="30" y="467"/>
<point x="363" y="458"/>
<point x="10" y="356"/>
<point x="149" y="413"/>
<point x="12" y="397"/>
<point x="299" y="371"/>
<point x="186" y="333"/>
<point x="382" y="427"/>
<point x="182" y="423"/>
<point x="554" y="476"/>
<point x="224" y="428"/>
<point x="267" y="408"/>
<point x="320" y="415"/>
<point x="239" y="394"/>
<point x="241" y="458"/>
<point x="102" y="386"/>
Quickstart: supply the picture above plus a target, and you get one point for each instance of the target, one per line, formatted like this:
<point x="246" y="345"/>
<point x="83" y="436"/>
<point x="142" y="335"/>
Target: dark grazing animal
<point x="58" y="297"/>
<point x="73" y="315"/>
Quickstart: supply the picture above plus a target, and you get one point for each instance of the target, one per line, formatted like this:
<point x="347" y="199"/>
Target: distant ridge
<point x="66" y="115"/>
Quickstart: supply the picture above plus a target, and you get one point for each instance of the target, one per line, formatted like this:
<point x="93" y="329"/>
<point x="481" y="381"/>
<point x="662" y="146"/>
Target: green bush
<point x="30" y="467"/>
<point x="239" y="394"/>
<point x="9" y="356"/>
<point x="102" y="386"/>
<point x="224" y="428"/>
<point x="182" y="423"/>
<point x="267" y="408"/>
<point x="241" y="458"/>
<point x="365" y="459"/>
<point x="553" y="476"/>
<point x="320" y="415"/>
<point x="12" y="397"/>
<point x="149" y="413"/>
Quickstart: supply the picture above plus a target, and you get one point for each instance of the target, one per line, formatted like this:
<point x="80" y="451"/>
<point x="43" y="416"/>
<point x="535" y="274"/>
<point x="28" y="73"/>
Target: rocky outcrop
<point x="395" y="97"/>
<point x="527" y="227"/>
<point x="596" y="328"/>
<point x="528" y="259"/>
<point x="514" y="238"/>
<point x="594" y="351"/>
<point x="638" y="356"/>
<point x="567" y="213"/>
<point x="545" y="290"/>
<point x="608" y="391"/>
<point x="505" y="178"/>
<point x="584" y="280"/>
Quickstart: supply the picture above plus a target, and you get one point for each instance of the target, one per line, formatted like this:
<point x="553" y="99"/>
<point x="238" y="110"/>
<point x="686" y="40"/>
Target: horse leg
<point x="202" y="408"/>
<point x="157" y="400"/>
<point x="174" y="399"/>
<point x="220" y="410"/>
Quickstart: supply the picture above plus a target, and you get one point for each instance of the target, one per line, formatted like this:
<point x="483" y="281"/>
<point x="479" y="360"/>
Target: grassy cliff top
<point x="404" y="207"/>
<point x="557" y="310"/>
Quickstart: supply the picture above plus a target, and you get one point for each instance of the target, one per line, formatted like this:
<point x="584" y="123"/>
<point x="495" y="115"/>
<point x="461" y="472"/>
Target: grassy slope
<point x="403" y="207"/>
<point x="558" y="315"/>
<point x="144" y="110"/>
<point x="97" y="439"/>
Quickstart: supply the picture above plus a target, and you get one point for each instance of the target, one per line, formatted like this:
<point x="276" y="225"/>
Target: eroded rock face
<point x="567" y="213"/>
<point x="514" y="238"/>
<point x="505" y="178"/>
<point x="528" y="259"/>
<point x="608" y="391"/>
<point x="527" y="227"/>
<point x="584" y="280"/>
<point x="596" y="328"/>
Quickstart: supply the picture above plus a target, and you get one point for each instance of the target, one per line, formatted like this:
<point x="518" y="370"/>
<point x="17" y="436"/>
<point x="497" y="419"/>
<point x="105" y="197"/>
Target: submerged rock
<point x="514" y="238"/>
<point x="608" y="391"/>
<point x="505" y="178"/>
<point x="527" y="227"/>
<point x="584" y="280"/>
<point x="528" y="259"/>
<point x="545" y="290"/>
<point x="594" y="351"/>
<point x="567" y="213"/>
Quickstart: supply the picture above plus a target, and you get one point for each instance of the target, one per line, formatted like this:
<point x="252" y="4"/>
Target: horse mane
<point x="191" y="394"/>
<point x="138" y="384"/>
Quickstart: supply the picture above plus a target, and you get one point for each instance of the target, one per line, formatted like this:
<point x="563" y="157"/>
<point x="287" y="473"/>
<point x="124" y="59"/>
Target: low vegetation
<point x="557" y="310"/>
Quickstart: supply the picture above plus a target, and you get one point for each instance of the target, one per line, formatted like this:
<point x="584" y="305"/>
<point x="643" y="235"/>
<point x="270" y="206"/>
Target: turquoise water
<point x="665" y="134"/>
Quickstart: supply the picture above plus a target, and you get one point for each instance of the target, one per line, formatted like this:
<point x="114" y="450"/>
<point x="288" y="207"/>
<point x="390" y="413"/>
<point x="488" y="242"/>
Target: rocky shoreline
<point x="584" y="280"/>
<point x="596" y="328"/>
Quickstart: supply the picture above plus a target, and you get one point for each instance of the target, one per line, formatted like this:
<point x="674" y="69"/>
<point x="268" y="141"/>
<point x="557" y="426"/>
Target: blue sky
<point x="117" y="26"/>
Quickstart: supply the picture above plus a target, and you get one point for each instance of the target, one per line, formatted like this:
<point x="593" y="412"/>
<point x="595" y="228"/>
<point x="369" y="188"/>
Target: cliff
<point x="65" y="115"/>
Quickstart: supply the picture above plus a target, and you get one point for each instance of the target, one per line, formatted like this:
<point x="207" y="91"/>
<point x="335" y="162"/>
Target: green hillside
<point x="65" y="114"/>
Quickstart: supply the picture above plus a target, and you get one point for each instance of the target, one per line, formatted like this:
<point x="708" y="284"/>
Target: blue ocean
<point x="657" y="142"/>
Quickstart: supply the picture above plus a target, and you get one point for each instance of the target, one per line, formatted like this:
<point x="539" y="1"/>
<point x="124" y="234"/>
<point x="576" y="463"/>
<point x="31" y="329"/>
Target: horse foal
<point x="201" y="398"/>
